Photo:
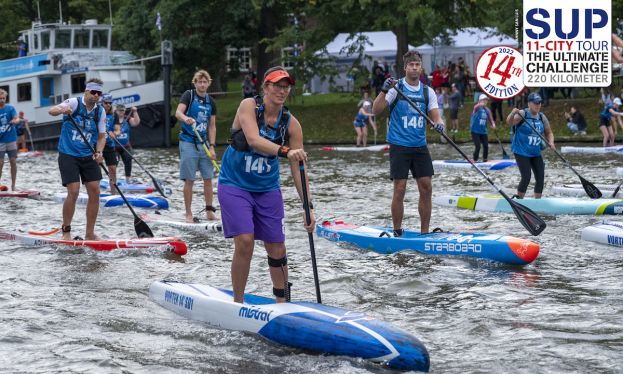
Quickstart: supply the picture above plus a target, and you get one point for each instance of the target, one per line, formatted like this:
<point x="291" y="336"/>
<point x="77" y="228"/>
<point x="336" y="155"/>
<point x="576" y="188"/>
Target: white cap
<point x="616" y="101"/>
<point x="367" y="103"/>
<point x="483" y="97"/>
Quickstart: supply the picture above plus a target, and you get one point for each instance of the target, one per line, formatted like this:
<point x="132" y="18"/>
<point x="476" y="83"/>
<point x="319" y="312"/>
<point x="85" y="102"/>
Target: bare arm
<point x="179" y="114"/>
<point x="134" y="119"/>
<point x="379" y="104"/>
<point x="514" y="117"/>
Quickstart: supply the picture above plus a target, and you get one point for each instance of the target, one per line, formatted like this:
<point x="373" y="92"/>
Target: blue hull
<point x="302" y="325"/>
<point x="501" y="248"/>
<point x="145" y="201"/>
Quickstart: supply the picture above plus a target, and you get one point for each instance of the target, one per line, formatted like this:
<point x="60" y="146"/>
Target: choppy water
<point x="67" y="310"/>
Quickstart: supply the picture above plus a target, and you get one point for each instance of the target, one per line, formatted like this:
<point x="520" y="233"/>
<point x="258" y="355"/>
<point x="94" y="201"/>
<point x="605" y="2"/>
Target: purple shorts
<point x="257" y="213"/>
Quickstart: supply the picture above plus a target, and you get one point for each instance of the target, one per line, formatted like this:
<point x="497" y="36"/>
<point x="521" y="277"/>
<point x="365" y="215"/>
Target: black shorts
<point x="604" y="122"/>
<point x="20" y="132"/>
<point x="73" y="169"/>
<point x="405" y="159"/>
<point x="110" y="156"/>
<point x="454" y="113"/>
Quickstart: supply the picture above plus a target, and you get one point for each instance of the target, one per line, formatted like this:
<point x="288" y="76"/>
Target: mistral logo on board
<point x="567" y="43"/>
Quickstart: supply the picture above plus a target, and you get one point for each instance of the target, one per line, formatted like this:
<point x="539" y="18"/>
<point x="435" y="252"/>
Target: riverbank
<point x="328" y="119"/>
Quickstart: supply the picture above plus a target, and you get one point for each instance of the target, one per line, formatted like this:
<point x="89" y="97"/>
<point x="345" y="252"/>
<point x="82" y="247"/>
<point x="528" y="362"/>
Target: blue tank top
<point x="201" y="112"/>
<point x="406" y="125"/>
<point x="250" y="170"/>
<point x="478" y="124"/>
<point x="606" y="112"/>
<point x="110" y="127"/>
<point x="526" y="142"/>
<point x="70" y="142"/>
<point x="7" y="130"/>
<point x="360" y="118"/>
<point x="124" y="137"/>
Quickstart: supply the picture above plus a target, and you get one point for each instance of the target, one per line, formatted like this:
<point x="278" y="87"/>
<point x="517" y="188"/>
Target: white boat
<point x="607" y="232"/>
<point x="576" y="190"/>
<point x="490" y="165"/>
<point x="546" y="205"/>
<point x="593" y="150"/>
<point x="60" y="59"/>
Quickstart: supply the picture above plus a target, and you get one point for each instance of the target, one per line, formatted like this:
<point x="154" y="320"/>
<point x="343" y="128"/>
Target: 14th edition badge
<point x="499" y="72"/>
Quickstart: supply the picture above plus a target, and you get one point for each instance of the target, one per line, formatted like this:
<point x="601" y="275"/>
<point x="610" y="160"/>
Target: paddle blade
<point x="141" y="228"/>
<point x="616" y="191"/>
<point x="530" y="220"/>
<point x="592" y="191"/>
<point x="157" y="184"/>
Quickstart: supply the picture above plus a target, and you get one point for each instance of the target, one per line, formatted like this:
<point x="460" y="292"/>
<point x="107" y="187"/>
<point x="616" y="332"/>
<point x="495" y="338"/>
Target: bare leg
<point x="279" y="276"/>
<point x="364" y="136"/>
<point x="240" y="264"/>
<point x="611" y="138"/>
<point x="604" y="133"/>
<point x="188" y="200"/>
<point x="93" y="206"/>
<point x="1" y="166"/>
<point x="425" y="205"/>
<point x="398" y="209"/>
<point x="69" y="206"/>
<point x="208" y="195"/>
<point x="112" y="178"/>
<point x="13" y="163"/>
<point x="359" y="135"/>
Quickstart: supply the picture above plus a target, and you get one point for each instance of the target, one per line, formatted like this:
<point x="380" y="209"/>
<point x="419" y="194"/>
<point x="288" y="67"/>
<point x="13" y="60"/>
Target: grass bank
<point x="328" y="119"/>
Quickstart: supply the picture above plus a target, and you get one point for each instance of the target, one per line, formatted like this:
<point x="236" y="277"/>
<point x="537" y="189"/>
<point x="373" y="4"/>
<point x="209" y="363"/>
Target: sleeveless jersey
<point x="606" y="112"/>
<point x="7" y="129"/>
<point x="525" y="142"/>
<point x="478" y="124"/>
<point x="71" y="142"/>
<point x="201" y="112"/>
<point x="250" y="170"/>
<point x="406" y="125"/>
<point x="360" y="119"/>
<point x="124" y="137"/>
<point x="110" y="127"/>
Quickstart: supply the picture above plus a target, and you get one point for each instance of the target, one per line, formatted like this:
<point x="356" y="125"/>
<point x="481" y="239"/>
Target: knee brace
<point x="280" y="263"/>
<point x="277" y="262"/>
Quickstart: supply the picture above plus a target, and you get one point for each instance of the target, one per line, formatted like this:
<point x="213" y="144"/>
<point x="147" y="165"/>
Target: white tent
<point x="380" y="46"/>
<point x="468" y="43"/>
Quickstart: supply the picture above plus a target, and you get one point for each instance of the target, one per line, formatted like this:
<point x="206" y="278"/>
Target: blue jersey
<point x="7" y="129"/>
<point x="71" y="142"/>
<point x="201" y="109"/>
<point x="124" y="137"/>
<point x="526" y="142"/>
<point x="406" y="126"/>
<point x="606" y="112"/>
<point x="360" y="120"/>
<point x="253" y="171"/>
<point x="110" y="127"/>
<point x="478" y="124"/>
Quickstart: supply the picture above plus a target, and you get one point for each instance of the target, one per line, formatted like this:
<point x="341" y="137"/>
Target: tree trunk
<point x="402" y="46"/>
<point x="266" y="30"/>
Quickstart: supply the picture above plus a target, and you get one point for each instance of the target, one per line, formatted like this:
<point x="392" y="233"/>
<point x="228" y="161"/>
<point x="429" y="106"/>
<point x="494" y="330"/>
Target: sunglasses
<point x="94" y="93"/>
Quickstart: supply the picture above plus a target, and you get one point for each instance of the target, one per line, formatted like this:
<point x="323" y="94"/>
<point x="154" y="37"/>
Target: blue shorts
<point x="359" y="124"/>
<point x="193" y="158"/>
<point x="257" y="213"/>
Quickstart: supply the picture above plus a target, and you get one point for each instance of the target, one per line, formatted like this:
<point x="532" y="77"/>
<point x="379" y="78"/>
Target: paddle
<point x="530" y="220"/>
<point x="141" y="228"/>
<point x="205" y="148"/>
<point x="309" y="234"/>
<point x="157" y="183"/>
<point x="504" y="154"/>
<point x="592" y="191"/>
<point x="616" y="190"/>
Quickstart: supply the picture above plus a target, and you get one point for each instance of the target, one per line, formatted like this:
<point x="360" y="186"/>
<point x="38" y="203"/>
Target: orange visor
<point x="278" y="75"/>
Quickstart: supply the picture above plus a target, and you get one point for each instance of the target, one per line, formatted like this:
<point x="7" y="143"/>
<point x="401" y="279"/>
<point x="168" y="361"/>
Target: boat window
<point x="6" y="88"/>
<point x="78" y="83"/>
<point x="45" y="40"/>
<point x="24" y="92"/>
<point x="35" y="41"/>
<point x="63" y="39"/>
<point x="81" y="38"/>
<point x="100" y="39"/>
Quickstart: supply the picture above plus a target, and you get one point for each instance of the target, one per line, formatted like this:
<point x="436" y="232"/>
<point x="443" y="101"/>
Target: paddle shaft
<point x="205" y="147"/>
<point x="530" y="220"/>
<point x="153" y="179"/>
<point x="504" y="154"/>
<point x="309" y="234"/>
<point x="137" y="219"/>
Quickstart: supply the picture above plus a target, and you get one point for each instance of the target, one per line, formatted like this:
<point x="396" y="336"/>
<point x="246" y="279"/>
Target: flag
<point x="158" y="24"/>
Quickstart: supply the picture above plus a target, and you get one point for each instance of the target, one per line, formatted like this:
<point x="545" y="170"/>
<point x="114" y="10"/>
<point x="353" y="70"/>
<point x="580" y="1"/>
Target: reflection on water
<point x="85" y="311"/>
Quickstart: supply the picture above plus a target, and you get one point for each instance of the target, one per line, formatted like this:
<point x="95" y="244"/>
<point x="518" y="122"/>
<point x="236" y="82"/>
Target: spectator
<point x="576" y="122"/>
<point x="248" y="88"/>
<point x="496" y="108"/>
<point x="455" y="101"/>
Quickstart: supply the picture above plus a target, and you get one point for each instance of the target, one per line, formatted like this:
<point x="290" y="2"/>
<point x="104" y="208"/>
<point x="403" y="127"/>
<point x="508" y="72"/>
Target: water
<point x="74" y="310"/>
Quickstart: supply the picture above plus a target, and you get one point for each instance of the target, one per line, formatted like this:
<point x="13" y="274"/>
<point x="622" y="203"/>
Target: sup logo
<point x="254" y="313"/>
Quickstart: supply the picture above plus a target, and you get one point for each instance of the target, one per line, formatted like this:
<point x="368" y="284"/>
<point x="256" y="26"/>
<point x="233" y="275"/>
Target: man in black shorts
<point x="407" y="138"/>
<point x="76" y="160"/>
